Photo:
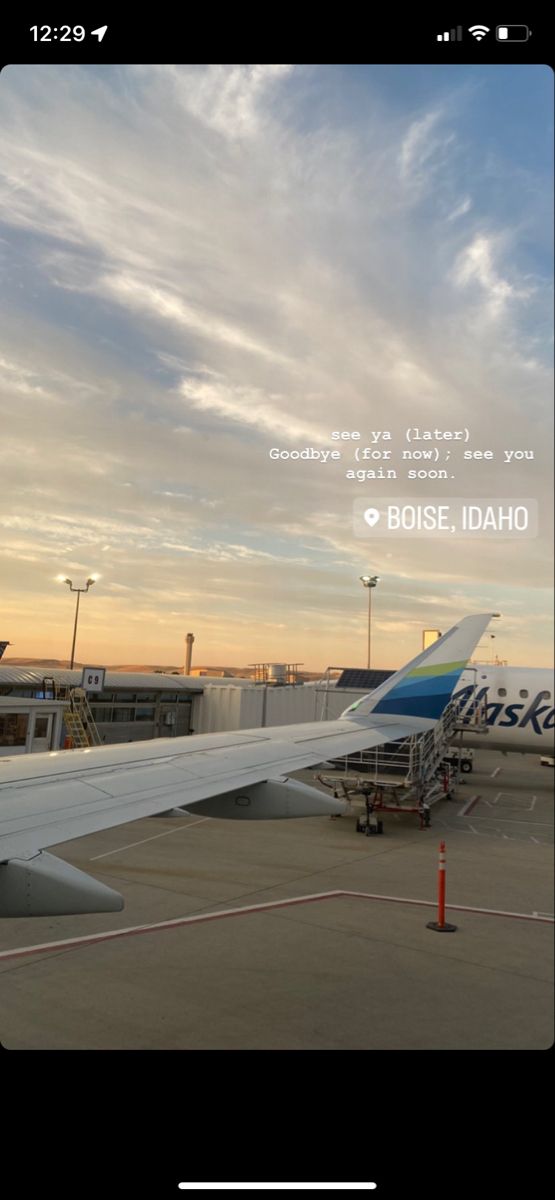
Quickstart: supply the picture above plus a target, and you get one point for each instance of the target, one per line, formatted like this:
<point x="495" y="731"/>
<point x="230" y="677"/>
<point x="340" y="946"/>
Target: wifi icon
<point x="478" y="31"/>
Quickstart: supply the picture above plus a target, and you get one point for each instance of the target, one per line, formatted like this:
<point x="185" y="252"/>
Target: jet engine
<point x="46" y="886"/>
<point x="270" y="801"/>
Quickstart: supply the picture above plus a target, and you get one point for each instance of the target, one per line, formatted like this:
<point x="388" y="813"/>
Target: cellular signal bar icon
<point x="455" y="35"/>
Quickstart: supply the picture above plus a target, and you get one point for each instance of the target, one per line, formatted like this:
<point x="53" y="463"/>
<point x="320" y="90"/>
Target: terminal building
<point x="131" y="707"/>
<point x="35" y="703"/>
<point x="30" y="725"/>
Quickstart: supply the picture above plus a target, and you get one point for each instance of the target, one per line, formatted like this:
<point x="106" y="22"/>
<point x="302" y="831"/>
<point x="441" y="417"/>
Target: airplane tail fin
<point x="423" y="688"/>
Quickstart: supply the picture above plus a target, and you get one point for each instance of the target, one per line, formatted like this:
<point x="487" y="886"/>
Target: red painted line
<point x="109" y="935"/>
<point x="471" y="804"/>
<point x="486" y="912"/>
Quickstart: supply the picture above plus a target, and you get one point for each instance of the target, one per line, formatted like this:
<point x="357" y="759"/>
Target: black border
<point x="273" y="35"/>
<point x="133" y="1124"/>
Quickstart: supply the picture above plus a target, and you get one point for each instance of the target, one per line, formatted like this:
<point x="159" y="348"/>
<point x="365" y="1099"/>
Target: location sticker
<point x="448" y="517"/>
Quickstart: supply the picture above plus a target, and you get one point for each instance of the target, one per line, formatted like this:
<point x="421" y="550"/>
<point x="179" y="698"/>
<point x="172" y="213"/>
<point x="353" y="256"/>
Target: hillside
<point x="144" y="668"/>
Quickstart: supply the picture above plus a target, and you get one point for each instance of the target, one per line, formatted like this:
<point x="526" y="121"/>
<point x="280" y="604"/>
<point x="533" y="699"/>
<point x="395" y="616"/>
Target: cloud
<point x="422" y="149"/>
<point x="249" y="407"/>
<point x="460" y="210"/>
<point x="206" y="262"/>
<point x="139" y="296"/>
<point x="230" y="100"/>
<point x="476" y="265"/>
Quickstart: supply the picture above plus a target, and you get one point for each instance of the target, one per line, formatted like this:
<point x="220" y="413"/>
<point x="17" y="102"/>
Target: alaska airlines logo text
<point x="535" y="715"/>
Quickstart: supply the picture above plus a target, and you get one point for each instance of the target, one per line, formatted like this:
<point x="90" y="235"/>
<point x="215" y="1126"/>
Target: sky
<point x="202" y="263"/>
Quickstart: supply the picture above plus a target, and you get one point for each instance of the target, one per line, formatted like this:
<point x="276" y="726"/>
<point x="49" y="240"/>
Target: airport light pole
<point x="369" y="581"/>
<point x="62" y="579"/>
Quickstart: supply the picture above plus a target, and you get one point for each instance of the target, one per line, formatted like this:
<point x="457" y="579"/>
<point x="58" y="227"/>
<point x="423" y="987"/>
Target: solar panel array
<point x="354" y="677"/>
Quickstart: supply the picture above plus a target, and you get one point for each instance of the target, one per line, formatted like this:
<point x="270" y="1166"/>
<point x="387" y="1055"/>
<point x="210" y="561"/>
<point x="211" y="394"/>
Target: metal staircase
<point x="76" y="730"/>
<point x="78" y="719"/>
<point x="427" y="750"/>
<point x="418" y="763"/>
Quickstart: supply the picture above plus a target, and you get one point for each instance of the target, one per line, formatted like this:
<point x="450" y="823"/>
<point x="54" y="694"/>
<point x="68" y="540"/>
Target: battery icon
<point x="512" y="33"/>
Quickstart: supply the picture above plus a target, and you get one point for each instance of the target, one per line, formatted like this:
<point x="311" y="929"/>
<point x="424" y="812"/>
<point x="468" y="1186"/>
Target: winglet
<point x="424" y="686"/>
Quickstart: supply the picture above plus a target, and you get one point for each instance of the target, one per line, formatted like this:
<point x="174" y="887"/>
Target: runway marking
<point x="494" y="773"/>
<point x="108" y="935"/>
<point x="179" y="829"/>
<point x="512" y="803"/>
<point x="517" y="821"/>
<point x="463" y="812"/>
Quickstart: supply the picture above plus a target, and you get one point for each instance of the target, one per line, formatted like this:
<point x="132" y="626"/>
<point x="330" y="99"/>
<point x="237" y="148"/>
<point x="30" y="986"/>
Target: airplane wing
<point x="46" y="799"/>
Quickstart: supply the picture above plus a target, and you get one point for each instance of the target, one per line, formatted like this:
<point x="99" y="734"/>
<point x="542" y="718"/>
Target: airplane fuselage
<point x="520" y="713"/>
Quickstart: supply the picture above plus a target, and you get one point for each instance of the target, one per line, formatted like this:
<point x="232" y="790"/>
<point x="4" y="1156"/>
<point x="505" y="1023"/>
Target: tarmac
<point x="329" y="948"/>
